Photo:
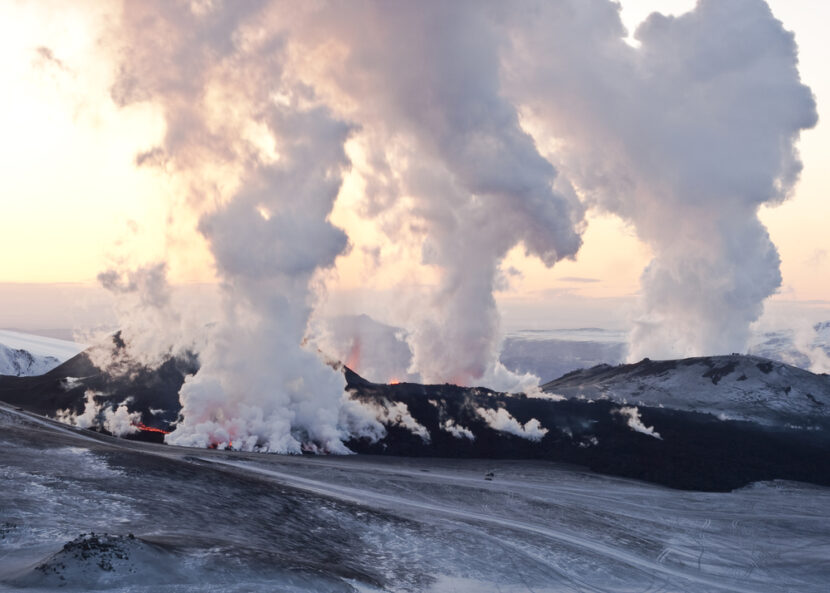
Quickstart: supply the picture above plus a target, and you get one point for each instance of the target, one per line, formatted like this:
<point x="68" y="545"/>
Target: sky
<point x="74" y="202"/>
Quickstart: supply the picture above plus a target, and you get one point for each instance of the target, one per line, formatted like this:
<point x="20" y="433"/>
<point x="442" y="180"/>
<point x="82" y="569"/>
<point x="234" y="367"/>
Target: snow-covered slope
<point x="24" y="355"/>
<point x="84" y="512"/>
<point x="736" y="387"/>
<point x="40" y="345"/>
<point x="22" y="363"/>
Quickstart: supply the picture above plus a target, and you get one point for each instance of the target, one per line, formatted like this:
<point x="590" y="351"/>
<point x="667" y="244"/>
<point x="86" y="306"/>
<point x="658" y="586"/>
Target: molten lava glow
<point x="353" y="359"/>
<point x="145" y="428"/>
<point x="394" y="382"/>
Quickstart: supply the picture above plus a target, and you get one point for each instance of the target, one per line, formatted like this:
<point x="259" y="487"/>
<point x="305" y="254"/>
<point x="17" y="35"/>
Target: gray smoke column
<point x="260" y="163"/>
<point x="685" y="137"/>
<point x="425" y="80"/>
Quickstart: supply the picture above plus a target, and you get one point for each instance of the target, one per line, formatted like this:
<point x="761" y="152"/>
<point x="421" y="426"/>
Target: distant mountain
<point x="40" y="345"/>
<point x="22" y="363"/>
<point x="23" y="354"/>
<point x="735" y="387"/>
<point x="550" y="354"/>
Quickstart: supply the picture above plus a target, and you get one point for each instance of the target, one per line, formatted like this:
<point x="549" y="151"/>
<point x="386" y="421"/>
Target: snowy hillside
<point x="84" y="512"/>
<point x="25" y="355"/>
<point x="22" y="363"/>
<point x="731" y="387"/>
<point x="40" y="345"/>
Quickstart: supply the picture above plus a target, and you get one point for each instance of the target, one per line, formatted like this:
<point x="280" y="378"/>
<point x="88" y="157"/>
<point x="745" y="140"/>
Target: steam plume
<point x="424" y="78"/>
<point x="501" y="420"/>
<point x="260" y="163"/>
<point x="685" y="137"/>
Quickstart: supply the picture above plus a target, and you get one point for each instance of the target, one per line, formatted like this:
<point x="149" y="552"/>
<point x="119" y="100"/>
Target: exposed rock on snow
<point x="22" y="363"/>
<point x="733" y="387"/>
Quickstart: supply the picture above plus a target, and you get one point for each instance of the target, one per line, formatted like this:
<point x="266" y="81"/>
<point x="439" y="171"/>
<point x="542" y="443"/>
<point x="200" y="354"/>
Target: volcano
<point x="151" y="391"/>
<point x="725" y="422"/>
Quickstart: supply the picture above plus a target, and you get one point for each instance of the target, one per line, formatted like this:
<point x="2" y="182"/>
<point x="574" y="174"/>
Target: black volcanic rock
<point x="146" y="390"/>
<point x="697" y="451"/>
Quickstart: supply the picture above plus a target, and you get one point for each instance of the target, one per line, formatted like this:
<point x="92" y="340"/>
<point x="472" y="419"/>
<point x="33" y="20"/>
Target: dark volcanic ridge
<point x="153" y="392"/>
<point x="611" y="420"/>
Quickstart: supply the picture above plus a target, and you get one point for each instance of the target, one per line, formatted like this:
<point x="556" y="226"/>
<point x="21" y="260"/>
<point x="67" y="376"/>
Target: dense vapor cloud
<point x="143" y="301"/>
<point x="376" y="351"/>
<point x="447" y="105"/>
<point x="116" y="420"/>
<point x="501" y="420"/>
<point x="260" y="163"/>
<point x="635" y="422"/>
<point x="258" y="387"/>
<point x="425" y="78"/>
<point x="684" y="137"/>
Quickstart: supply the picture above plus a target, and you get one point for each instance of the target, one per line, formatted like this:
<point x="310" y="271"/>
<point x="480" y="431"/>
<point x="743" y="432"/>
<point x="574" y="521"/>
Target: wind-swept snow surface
<point x="81" y="512"/>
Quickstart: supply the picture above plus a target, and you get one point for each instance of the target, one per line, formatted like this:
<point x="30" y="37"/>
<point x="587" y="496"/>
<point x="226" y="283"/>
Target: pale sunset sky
<point x="73" y="202"/>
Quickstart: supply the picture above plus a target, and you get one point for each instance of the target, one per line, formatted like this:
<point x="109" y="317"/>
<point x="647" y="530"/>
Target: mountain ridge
<point x="680" y="448"/>
<point x="18" y="362"/>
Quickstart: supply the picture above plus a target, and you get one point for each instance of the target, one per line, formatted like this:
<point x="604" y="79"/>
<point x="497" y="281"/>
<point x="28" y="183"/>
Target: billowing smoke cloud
<point x="143" y="302"/>
<point x="457" y="430"/>
<point x="398" y="414"/>
<point x="685" y="137"/>
<point x="501" y="420"/>
<point x="378" y="352"/>
<point x="635" y="423"/>
<point x="118" y="420"/>
<point x="424" y="79"/>
<point x="260" y="161"/>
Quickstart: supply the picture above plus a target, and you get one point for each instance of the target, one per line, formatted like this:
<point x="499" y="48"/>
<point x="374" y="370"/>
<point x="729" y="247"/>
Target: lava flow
<point x="145" y="428"/>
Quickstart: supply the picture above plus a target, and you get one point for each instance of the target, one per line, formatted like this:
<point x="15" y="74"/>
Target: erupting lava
<point x="145" y="428"/>
<point x="353" y="359"/>
<point x="394" y="382"/>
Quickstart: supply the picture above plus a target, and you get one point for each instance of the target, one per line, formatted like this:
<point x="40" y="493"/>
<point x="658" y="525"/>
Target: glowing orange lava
<point x="353" y="359"/>
<point x="145" y="428"/>
<point x="394" y="382"/>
